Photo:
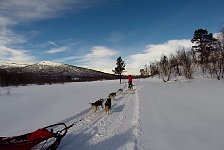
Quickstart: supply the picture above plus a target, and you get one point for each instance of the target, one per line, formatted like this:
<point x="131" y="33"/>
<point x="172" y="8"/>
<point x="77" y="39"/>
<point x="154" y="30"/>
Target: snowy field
<point x="181" y="115"/>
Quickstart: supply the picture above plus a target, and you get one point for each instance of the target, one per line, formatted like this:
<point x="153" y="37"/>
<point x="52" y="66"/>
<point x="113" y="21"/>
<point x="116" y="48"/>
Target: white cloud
<point x="103" y="64"/>
<point x="9" y="38"/>
<point x="13" y="55"/>
<point x="100" y="52"/>
<point x="153" y="52"/>
<point x="219" y="36"/>
<point x="13" y="12"/>
<point x="5" y="21"/>
<point x="32" y="10"/>
<point x="23" y="10"/>
<point x="67" y="45"/>
<point x="52" y="43"/>
<point x="104" y="59"/>
<point x="100" y="58"/>
<point x="57" y="50"/>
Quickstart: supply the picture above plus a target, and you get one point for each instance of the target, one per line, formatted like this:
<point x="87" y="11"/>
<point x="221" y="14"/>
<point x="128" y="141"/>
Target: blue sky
<point x="94" y="33"/>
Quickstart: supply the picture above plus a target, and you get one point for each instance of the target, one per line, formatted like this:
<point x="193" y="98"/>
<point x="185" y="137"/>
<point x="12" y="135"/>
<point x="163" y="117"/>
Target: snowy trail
<point x="118" y="130"/>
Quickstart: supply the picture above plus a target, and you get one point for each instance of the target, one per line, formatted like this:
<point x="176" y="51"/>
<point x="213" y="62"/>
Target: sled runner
<point x="44" y="138"/>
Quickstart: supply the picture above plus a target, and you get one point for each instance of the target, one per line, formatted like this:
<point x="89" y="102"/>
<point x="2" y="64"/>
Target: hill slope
<point x="47" y="71"/>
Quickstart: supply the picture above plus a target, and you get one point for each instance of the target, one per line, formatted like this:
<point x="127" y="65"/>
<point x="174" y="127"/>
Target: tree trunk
<point x="120" y="78"/>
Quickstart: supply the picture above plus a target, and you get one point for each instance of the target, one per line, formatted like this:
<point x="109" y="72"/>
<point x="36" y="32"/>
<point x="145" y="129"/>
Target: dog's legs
<point x="109" y="111"/>
<point x="95" y="109"/>
<point x="106" y="109"/>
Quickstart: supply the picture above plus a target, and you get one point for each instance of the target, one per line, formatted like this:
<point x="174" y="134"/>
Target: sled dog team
<point x="107" y="105"/>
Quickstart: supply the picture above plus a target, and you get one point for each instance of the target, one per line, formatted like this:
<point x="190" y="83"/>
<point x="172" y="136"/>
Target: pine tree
<point x="204" y="44"/>
<point x="120" y="67"/>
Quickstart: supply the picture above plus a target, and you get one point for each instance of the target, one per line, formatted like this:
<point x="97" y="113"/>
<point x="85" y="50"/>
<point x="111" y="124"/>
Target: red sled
<point x="44" y="138"/>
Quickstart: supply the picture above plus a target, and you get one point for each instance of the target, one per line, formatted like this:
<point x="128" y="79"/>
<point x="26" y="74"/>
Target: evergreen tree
<point x="119" y="69"/>
<point x="204" y="44"/>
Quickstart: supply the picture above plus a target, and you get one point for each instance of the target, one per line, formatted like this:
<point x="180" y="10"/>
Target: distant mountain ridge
<point x="52" y="72"/>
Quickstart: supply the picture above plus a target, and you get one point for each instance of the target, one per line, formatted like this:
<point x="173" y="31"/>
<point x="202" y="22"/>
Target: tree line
<point x="206" y="56"/>
<point x="15" y="78"/>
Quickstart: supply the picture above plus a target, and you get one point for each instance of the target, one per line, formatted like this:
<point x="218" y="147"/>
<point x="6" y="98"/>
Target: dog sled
<point x="47" y="138"/>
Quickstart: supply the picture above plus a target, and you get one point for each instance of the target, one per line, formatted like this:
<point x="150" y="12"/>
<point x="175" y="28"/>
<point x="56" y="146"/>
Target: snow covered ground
<point x="181" y="115"/>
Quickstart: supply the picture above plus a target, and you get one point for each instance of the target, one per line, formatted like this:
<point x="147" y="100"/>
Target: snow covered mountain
<point x="50" y="69"/>
<point x="5" y="65"/>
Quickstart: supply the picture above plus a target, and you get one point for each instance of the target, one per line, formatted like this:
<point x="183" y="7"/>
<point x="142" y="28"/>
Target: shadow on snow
<point x="81" y="141"/>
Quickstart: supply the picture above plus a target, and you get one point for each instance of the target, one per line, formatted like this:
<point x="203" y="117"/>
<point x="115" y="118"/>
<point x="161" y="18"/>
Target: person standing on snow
<point x="130" y="85"/>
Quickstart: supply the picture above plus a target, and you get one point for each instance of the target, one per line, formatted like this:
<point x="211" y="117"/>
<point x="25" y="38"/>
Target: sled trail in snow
<point x="99" y="131"/>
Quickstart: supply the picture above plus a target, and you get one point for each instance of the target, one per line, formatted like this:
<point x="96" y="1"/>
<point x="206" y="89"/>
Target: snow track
<point x="118" y="130"/>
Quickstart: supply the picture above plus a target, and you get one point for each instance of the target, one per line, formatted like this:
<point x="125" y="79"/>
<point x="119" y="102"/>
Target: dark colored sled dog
<point x="108" y="105"/>
<point x="96" y="104"/>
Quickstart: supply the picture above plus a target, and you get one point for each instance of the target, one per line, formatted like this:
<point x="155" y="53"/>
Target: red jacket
<point x="130" y="79"/>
